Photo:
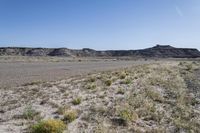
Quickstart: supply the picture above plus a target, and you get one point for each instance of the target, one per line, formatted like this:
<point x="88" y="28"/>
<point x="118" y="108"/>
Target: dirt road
<point x="18" y="73"/>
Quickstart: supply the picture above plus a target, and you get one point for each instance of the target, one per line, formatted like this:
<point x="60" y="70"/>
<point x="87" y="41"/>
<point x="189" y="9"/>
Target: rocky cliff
<point x="159" y="51"/>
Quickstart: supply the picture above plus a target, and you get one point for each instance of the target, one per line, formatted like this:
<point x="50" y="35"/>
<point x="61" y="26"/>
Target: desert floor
<point x="16" y="71"/>
<point x="99" y="96"/>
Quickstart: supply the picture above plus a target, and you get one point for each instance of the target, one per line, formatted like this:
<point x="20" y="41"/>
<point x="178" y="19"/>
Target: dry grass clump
<point x="189" y="66"/>
<point x="122" y="75"/>
<point x="90" y="83"/>
<point x="76" y="101"/>
<point x="162" y="99"/>
<point x="33" y="83"/>
<point x="120" y="91"/>
<point x="185" y="119"/>
<point x="62" y="109"/>
<point x="98" y="109"/>
<point x="49" y="126"/>
<point x="145" y="108"/>
<point x="126" y="81"/>
<point x="92" y="79"/>
<point x="70" y="116"/>
<point x="170" y="82"/>
<point x="30" y="114"/>
<point x="136" y="100"/>
<point x="155" y="95"/>
<point x="90" y="86"/>
<point x="108" y="82"/>
<point x="128" y="115"/>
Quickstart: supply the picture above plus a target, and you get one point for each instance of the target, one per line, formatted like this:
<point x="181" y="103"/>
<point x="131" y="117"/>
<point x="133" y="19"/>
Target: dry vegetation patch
<point x="162" y="97"/>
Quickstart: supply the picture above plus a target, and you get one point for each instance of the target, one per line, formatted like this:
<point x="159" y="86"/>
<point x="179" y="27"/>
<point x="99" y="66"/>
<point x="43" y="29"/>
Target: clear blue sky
<point x="100" y="24"/>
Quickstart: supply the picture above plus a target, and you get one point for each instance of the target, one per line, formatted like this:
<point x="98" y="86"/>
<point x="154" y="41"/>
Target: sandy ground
<point x="154" y="98"/>
<point x="19" y="73"/>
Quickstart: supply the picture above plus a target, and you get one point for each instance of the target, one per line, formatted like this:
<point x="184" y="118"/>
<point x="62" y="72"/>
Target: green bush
<point x="49" y="126"/>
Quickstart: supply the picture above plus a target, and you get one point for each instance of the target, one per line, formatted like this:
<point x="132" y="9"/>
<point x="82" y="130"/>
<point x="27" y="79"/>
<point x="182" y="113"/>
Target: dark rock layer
<point x="159" y="51"/>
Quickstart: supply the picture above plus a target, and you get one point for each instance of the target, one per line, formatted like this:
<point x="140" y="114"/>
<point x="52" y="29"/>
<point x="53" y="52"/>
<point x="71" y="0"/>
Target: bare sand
<point x="18" y="73"/>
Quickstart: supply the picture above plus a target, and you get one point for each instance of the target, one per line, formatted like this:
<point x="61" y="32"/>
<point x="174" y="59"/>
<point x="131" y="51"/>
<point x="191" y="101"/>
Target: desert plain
<point x="76" y="95"/>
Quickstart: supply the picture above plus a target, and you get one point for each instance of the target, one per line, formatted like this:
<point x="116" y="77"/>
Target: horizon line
<point x="93" y="48"/>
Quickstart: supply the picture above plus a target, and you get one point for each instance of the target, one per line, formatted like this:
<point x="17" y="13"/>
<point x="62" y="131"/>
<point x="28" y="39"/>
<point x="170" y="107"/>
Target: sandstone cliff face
<point x="159" y="51"/>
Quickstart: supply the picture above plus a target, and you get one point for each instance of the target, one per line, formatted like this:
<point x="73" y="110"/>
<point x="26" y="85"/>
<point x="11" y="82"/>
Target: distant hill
<point x="158" y="51"/>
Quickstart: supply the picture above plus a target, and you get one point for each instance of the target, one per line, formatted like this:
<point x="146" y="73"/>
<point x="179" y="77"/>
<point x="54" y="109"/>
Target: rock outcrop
<point x="158" y="51"/>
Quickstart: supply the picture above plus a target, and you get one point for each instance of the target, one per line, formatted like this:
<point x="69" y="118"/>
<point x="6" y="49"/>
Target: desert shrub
<point x="99" y="76"/>
<point x="120" y="91"/>
<point x="30" y="113"/>
<point x="128" y="115"/>
<point x="66" y="94"/>
<point x="90" y="86"/>
<point x="189" y="67"/>
<point x="53" y="104"/>
<point x="119" y="121"/>
<point x="49" y="126"/>
<point x="70" y="116"/>
<point x="108" y="82"/>
<point x="32" y="83"/>
<point x="98" y="109"/>
<point x="76" y="101"/>
<point x="92" y="79"/>
<point x="61" y="110"/>
<point x="101" y="109"/>
<point x="184" y="118"/>
<point x="181" y="63"/>
<point x="158" y="129"/>
<point x="157" y="81"/>
<point x="46" y="84"/>
<point x="188" y="125"/>
<point x="147" y="110"/>
<point x="190" y="100"/>
<point x="195" y="63"/>
<point x="136" y="100"/>
<point x="126" y="81"/>
<point x="122" y="75"/>
<point x="156" y="96"/>
<point x="113" y="79"/>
